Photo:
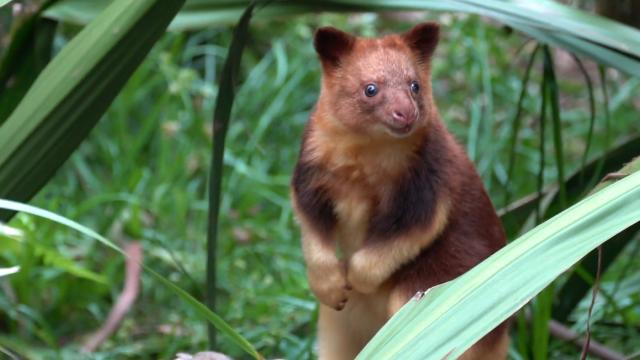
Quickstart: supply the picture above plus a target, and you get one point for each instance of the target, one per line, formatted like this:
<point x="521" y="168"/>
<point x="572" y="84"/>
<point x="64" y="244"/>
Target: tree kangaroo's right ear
<point x="331" y="45"/>
<point x="423" y="39"/>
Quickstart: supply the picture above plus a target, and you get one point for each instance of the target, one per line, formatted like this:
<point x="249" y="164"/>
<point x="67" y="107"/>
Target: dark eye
<point x="415" y="87"/>
<point x="371" y="90"/>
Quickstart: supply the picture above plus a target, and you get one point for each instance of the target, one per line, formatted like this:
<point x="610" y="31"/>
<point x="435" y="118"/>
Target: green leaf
<point x="576" y="287"/>
<point x="74" y="90"/>
<point x="9" y="270"/>
<point x="194" y="304"/>
<point x="516" y="214"/>
<point x="28" y="52"/>
<point x="541" y="145"/>
<point x="592" y="109"/>
<point x="54" y="259"/>
<point x="517" y="121"/>
<point x="10" y="232"/>
<point x="30" y="49"/>
<point x="465" y="309"/>
<point x="554" y="97"/>
<point x="221" y="118"/>
<point x="599" y="38"/>
<point x="4" y="2"/>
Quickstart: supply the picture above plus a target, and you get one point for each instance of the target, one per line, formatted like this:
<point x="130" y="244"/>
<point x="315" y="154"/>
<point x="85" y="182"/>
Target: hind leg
<point x="335" y="336"/>
<point x="343" y="334"/>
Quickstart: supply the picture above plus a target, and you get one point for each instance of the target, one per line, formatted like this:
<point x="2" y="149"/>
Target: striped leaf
<point x="74" y="90"/>
<point x="461" y="311"/>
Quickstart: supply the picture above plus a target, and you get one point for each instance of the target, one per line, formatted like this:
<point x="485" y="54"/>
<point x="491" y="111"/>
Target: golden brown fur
<point x="388" y="202"/>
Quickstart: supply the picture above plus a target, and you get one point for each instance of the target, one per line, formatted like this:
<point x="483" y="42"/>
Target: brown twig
<point x="594" y="294"/>
<point x="594" y="348"/>
<point x="125" y="300"/>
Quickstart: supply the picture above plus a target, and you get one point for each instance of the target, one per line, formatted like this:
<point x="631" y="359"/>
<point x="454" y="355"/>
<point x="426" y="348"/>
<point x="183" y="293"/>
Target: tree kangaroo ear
<point x="423" y="39"/>
<point x="331" y="45"/>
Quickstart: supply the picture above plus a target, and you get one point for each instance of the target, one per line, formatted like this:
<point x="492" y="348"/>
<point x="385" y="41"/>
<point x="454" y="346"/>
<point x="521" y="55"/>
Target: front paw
<point x="363" y="275"/>
<point x="330" y="286"/>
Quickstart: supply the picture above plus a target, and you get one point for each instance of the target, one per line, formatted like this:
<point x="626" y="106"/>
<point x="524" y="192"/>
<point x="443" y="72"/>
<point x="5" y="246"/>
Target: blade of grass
<point x="221" y="117"/>
<point x="515" y="214"/>
<point x="541" y="314"/>
<point x="554" y="99"/>
<point x="465" y="309"/>
<point x="10" y="232"/>
<point x="517" y="121"/>
<point x="541" y="307"/>
<point x="9" y="270"/>
<point x="607" y="118"/>
<point x="596" y="284"/>
<point x="522" y="340"/>
<point x="194" y="304"/>
<point x="541" y="144"/>
<point x="73" y="91"/>
<point x="592" y="109"/>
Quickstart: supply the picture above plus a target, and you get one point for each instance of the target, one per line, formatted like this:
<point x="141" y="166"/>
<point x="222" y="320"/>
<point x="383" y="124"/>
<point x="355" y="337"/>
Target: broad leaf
<point x="599" y="38"/>
<point x="74" y="90"/>
<point x="465" y="309"/>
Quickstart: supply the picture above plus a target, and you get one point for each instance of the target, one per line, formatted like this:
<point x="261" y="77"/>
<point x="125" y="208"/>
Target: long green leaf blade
<point x="604" y="40"/>
<point x="467" y="308"/>
<point x="554" y="100"/>
<point x="74" y="90"/>
<point x="221" y="118"/>
<point x="197" y="306"/>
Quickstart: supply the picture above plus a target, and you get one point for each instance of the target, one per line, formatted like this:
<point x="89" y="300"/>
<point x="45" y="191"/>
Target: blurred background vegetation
<point x="141" y="176"/>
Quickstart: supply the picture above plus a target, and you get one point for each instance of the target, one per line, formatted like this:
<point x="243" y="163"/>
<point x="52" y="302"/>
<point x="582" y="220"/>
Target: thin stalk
<point x="517" y="122"/>
<point x="592" y="111"/>
<point x="607" y="118"/>
<point x="221" y="117"/>
<point x="594" y="294"/>
<point x="554" y="98"/>
<point x="543" y="115"/>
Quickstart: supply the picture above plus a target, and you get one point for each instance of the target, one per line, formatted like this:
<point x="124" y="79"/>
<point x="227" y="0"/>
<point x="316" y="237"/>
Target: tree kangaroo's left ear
<point x="332" y="45"/>
<point x="423" y="39"/>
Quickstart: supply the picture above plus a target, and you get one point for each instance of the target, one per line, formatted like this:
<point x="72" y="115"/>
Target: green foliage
<point x="141" y="175"/>
<point x="606" y="41"/>
<point x="73" y="91"/>
<point x="465" y="309"/>
<point x="198" y="307"/>
<point x="221" y="117"/>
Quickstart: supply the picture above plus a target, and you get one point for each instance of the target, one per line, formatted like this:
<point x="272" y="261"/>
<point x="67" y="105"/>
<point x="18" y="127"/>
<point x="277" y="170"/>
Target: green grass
<point x="142" y="176"/>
